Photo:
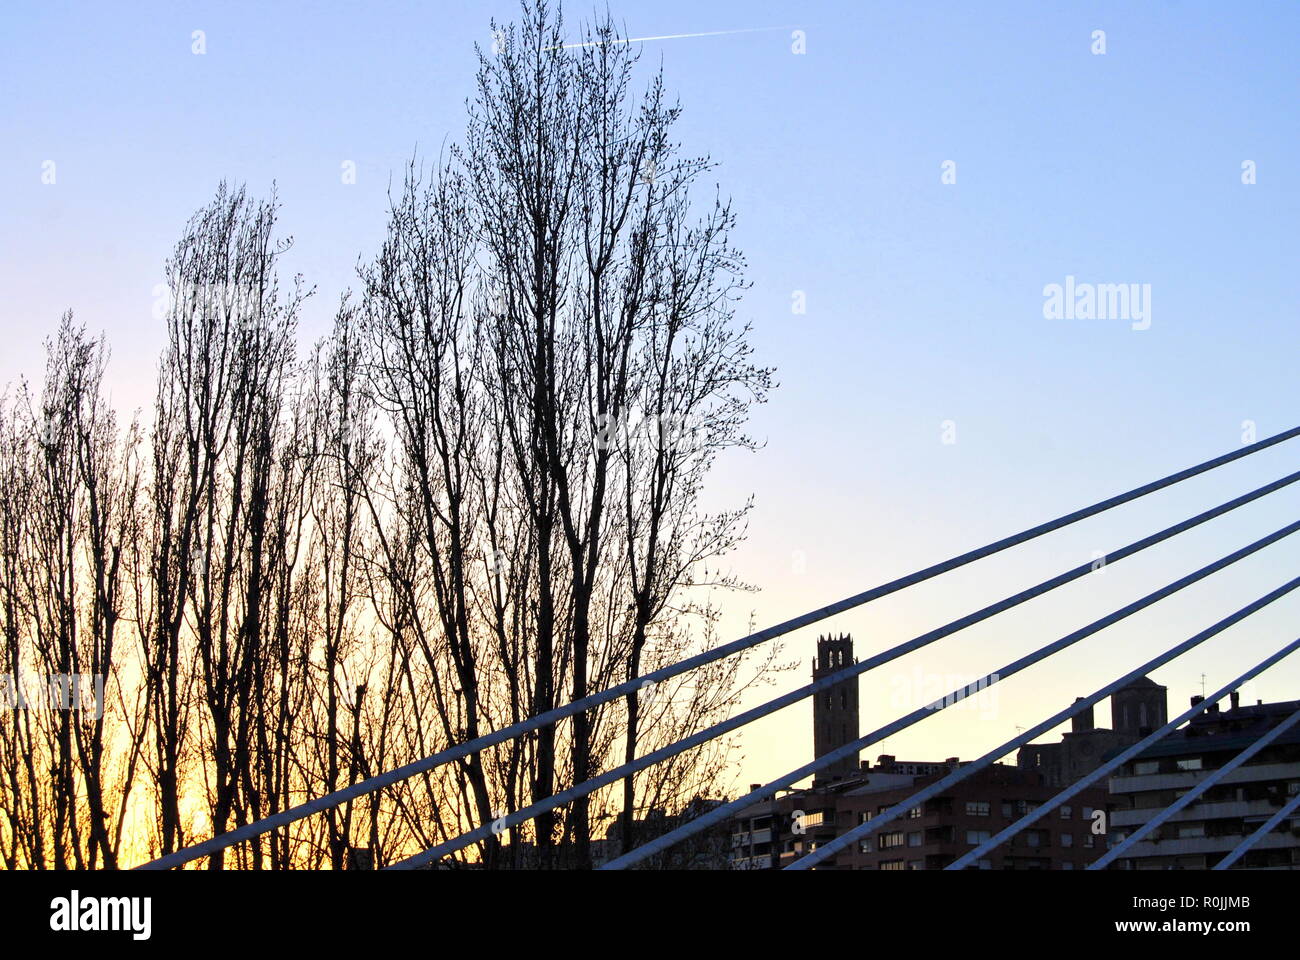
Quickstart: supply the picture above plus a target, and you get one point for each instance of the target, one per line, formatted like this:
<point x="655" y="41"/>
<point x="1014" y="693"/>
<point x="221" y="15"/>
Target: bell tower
<point x="1139" y="708"/>
<point x="835" y="710"/>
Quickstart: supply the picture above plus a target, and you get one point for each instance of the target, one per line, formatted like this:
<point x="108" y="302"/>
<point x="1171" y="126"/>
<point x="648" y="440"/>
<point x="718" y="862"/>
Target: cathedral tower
<point x="835" y="711"/>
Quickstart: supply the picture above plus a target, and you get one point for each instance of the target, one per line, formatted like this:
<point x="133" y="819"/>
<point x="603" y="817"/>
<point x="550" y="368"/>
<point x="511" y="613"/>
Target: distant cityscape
<point x="943" y="828"/>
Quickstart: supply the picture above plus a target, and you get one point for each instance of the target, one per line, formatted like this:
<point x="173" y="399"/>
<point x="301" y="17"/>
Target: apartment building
<point x="1197" y="837"/>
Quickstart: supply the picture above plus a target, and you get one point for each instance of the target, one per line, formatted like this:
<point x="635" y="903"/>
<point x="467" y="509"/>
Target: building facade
<point x="929" y="836"/>
<point x="1197" y="837"/>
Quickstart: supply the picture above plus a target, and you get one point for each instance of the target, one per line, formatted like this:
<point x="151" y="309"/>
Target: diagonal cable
<point x="1240" y="849"/>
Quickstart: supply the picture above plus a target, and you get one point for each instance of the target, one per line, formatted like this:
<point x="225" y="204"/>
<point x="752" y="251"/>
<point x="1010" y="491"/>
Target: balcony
<point x="1184" y="780"/>
<point x="1194" y="845"/>
<point x="1228" y="809"/>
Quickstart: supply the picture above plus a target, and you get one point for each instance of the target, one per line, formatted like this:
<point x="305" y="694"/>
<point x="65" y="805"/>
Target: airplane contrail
<point x="669" y="36"/>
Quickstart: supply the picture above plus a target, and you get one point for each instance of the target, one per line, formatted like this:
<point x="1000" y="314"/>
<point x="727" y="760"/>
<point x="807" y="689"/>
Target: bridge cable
<point x="1263" y="829"/>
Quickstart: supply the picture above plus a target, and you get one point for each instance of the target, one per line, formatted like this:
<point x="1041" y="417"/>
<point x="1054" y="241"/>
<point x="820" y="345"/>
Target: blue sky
<point x="924" y="299"/>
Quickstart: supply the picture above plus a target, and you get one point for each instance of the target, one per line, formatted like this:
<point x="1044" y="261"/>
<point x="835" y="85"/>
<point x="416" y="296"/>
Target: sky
<point x="907" y="186"/>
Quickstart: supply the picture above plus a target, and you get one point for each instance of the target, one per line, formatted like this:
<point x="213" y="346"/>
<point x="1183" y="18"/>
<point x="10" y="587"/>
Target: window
<point x="891" y="840"/>
<point x="1067" y="839"/>
<point x="1067" y="865"/>
<point x="1022" y="807"/>
<point x="891" y="865"/>
<point x="977" y="808"/>
<point x="914" y="839"/>
<point x="976" y="837"/>
<point x="984" y="864"/>
<point x="1189" y="763"/>
<point x="915" y="865"/>
<point x="1191" y="830"/>
<point x="1066" y="812"/>
<point x="864" y="816"/>
<point x="1087" y="813"/>
<point x="1006" y="809"/>
<point x="915" y="812"/>
<point x="1146" y="767"/>
<point x="1033" y="838"/>
<point x="1089" y="840"/>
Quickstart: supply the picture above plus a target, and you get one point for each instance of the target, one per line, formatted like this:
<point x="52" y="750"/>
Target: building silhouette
<point x="835" y="711"/>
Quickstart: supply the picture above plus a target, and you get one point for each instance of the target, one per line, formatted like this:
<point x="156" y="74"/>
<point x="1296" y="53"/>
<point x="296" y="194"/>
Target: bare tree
<point x="425" y="376"/>
<point x="607" y="295"/>
<point x="219" y="417"/>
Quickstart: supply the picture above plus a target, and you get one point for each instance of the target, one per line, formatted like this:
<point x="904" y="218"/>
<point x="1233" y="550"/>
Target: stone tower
<point x="835" y="711"/>
<point x="1139" y="708"/>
